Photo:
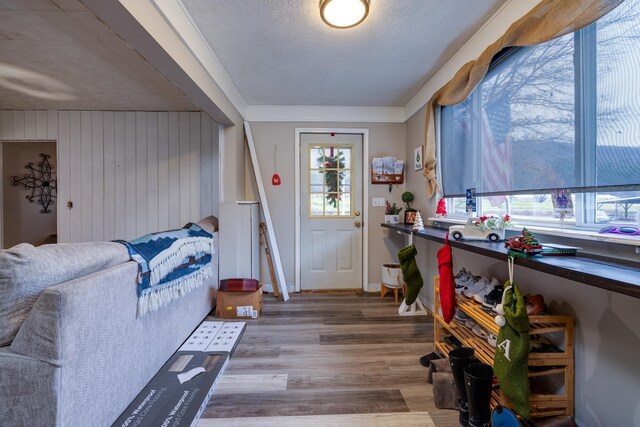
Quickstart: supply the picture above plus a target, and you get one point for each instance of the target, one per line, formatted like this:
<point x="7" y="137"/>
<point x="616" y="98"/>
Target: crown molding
<point x="332" y="114"/>
<point x="177" y="16"/>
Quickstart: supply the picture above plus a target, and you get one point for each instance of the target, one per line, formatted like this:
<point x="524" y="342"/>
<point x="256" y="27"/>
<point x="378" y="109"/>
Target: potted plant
<point x="391" y="213"/>
<point x="409" y="213"/>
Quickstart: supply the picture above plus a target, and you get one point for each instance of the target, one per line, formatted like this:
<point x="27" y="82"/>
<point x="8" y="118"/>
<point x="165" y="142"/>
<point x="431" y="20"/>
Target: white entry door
<point x="331" y="205"/>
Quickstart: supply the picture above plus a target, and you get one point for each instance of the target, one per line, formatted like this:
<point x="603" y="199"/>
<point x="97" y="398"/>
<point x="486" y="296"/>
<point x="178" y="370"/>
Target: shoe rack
<point x="551" y="375"/>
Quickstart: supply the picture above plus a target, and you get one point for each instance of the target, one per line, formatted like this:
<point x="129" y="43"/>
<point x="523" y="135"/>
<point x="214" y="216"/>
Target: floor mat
<point x="178" y="394"/>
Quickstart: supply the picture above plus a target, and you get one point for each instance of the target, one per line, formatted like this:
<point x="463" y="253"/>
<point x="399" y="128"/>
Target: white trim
<point x="57" y="203"/>
<point x="177" y="16"/>
<point x="296" y="206"/>
<point x="332" y="114"/>
<point x="365" y="198"/>
<point x="491" y="31"/>
<point x="221" y="163"/>
<point x="374" y="287"/>
<point x="365" y="208"/>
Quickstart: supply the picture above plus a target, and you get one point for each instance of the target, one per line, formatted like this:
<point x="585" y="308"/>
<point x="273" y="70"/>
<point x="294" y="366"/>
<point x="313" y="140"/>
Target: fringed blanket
<point x="170" y="264"/>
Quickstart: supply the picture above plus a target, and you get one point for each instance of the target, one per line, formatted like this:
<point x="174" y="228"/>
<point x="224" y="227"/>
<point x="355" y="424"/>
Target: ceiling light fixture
<point x="343" y="13"/>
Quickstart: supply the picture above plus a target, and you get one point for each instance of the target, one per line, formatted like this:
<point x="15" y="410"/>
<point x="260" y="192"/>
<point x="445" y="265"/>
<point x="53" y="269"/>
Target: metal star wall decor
<point x="41" y="181"/>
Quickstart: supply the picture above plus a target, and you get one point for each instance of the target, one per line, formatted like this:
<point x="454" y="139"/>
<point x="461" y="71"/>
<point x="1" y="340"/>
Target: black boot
<point x="459" y="359"/>
<point x="478" y="379"/>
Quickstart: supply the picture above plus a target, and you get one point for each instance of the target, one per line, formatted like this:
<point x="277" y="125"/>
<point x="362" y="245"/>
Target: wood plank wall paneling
<point x="126" y="173"/>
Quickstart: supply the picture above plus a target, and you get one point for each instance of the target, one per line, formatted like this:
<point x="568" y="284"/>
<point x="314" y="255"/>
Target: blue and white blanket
<point x="170" y="264"/>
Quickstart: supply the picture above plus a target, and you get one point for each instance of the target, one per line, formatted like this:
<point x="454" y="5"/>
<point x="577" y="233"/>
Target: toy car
<point x="472" y="231"/>
<point x="517" y="244"/>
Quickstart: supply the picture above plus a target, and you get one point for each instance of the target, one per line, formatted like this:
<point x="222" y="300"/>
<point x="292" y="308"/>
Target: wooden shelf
<point x="605" y="273"/>
<point x="385" y="178"/>
<point x="559" y="366"/>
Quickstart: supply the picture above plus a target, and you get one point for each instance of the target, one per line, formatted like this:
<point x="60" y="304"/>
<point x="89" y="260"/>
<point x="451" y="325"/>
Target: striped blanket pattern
<point x="170" y="264"/>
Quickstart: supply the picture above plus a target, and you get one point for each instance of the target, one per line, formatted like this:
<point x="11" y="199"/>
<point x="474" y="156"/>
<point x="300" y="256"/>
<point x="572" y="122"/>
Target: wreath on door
<point x="333" y="181"/>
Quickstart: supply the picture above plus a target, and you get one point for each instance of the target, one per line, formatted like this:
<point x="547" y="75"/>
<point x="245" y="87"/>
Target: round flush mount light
<point x="343" y="13"/>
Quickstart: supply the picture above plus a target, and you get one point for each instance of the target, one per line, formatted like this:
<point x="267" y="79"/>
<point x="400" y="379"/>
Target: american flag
<point x="496" y="148"/>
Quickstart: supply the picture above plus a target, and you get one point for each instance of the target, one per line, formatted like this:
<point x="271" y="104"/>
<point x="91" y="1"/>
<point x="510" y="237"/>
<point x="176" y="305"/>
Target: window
<point x="563" y="114"/>
<point x="330" y="191"/>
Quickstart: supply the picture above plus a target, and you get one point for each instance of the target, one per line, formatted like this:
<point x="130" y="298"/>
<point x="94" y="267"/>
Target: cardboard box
<point x="239" y="305"/>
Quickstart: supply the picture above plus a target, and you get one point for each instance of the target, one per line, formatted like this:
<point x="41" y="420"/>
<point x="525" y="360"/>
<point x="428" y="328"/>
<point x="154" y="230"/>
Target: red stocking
<point x="447" y="286"/>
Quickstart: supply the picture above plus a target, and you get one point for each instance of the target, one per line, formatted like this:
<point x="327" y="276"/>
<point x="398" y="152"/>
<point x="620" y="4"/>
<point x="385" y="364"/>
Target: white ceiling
<point x="279" y="52"/>
<point x="56" y="54"/>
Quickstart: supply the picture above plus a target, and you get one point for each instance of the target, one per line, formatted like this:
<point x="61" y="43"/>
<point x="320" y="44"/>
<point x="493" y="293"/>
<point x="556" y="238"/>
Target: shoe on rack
<point x="494" y="297"/>
<point x="479" y="331"/>
<point x="460" y="317"/>
<point x="465" y="281"/>
<point x="492" y="340"/>
<point x="462" y="273"/>
<point x="480" y="296"/>
<point x="535" y="305"/>
<point x="452" y="341"/>
<point x="477" y="287"/>
<point x="469" y="323"/>
<point x="539" y="345"/>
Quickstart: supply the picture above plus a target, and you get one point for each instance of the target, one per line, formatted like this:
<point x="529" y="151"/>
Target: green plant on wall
<point x="334" y="176"/>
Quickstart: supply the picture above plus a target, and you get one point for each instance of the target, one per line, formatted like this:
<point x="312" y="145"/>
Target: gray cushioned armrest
<point x="28" y="391"/>
<point x="25" y="271"/>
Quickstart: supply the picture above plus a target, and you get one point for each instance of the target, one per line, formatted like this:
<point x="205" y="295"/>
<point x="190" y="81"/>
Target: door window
<point x="330" y="189"/>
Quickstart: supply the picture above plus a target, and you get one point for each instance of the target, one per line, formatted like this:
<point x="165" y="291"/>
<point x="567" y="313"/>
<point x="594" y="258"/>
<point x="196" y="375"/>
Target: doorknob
<point x="357" y="213"/>
<point x="358" y="224"/>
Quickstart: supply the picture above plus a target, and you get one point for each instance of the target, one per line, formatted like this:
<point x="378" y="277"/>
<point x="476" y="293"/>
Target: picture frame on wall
<point x="418" y="158"/>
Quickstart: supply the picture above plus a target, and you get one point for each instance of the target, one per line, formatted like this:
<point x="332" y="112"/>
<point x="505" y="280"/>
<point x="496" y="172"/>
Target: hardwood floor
<point x="329" y="359"/>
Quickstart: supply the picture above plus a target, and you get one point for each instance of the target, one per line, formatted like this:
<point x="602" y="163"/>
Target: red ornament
<point x="441" y="209"/>
<point x="275" y="179"/>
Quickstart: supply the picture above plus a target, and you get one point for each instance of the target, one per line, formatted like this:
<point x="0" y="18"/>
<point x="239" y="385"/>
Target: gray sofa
<point x="83" y="354"/>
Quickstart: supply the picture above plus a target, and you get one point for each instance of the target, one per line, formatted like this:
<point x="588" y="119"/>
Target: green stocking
<point x="410" y="273"/>
<point x="512" y="352"/>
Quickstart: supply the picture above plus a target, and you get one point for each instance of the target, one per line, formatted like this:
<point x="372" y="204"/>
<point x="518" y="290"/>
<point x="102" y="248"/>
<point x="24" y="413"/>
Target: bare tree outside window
<point x="518" y="131"/>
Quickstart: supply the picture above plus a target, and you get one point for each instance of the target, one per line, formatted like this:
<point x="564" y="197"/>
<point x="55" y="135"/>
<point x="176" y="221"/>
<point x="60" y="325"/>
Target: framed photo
<point x="417" y="158"/>
<point x="410" y="217"/>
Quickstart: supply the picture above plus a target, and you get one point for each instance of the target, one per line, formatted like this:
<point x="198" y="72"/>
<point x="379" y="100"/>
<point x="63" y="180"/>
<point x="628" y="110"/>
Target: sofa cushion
<point x="25" y="271"/>
<point x="209" y="224"/>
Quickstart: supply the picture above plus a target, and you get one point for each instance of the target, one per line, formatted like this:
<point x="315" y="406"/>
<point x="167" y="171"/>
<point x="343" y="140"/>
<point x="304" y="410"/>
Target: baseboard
<point x="266" y="287"/>
<point x="373" y="287"/>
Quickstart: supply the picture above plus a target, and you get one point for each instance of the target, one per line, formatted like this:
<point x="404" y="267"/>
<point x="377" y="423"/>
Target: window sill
<point x="605" y="273"/>
<point x="557" y="232"/>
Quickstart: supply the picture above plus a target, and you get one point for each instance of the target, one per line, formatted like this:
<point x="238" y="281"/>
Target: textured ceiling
<point x="56" y="54"/>
<point x="279" y="52"/>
